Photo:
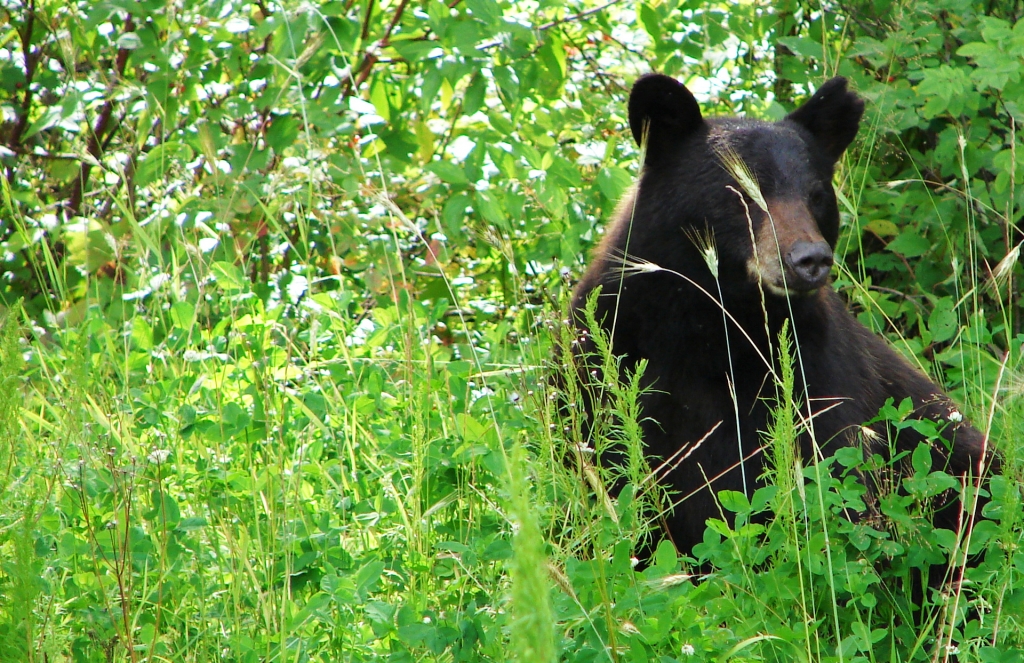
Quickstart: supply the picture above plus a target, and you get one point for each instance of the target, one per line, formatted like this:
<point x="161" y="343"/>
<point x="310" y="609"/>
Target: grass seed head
<point x="740" y="171"/>
<point x="704" y="240"/>
<point x="631" y="266"/>
<point x="1004" y="268"/>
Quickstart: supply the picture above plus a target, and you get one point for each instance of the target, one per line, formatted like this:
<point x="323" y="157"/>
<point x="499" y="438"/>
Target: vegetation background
<point x="281" y="286"/>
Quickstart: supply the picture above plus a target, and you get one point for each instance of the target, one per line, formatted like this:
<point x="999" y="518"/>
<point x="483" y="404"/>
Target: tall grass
<point x="219" y="481"/>
<point x="211" y="474"/>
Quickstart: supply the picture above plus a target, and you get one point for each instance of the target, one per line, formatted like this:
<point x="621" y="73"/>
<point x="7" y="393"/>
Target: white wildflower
<point x="158" y="456"/>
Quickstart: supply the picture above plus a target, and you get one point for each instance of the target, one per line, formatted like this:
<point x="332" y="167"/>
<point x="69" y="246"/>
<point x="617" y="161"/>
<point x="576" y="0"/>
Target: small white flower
<point x="955" y="416"/>
<point x="158" y="456"/>
<point x="688" y="650"/>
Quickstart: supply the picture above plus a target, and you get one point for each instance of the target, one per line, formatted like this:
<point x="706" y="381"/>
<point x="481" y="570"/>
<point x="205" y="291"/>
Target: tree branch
<point x="95" y="144"/>
<point x="371" y="55"/>
<point x="551" y="24"/>
<point x="31" y="60"/>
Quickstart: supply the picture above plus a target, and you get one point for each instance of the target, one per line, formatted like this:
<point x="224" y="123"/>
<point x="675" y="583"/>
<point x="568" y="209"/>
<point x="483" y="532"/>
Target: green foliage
<point x="533" y="627"/>
<point x="278" y="284"/>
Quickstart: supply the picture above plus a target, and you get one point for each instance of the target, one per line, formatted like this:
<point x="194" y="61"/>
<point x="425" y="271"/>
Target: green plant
<point x="276" y="280"/>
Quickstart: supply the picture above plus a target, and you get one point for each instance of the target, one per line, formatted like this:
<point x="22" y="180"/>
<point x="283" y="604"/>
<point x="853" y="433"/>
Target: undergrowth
<point x="292" y="484"/>
<point x="279" y="326"/>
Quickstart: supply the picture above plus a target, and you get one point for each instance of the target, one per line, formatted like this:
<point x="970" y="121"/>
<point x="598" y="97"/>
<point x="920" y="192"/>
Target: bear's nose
<point x="809" y="263"/>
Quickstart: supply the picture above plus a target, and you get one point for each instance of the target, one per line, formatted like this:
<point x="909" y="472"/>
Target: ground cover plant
<point x="282" y="288"/>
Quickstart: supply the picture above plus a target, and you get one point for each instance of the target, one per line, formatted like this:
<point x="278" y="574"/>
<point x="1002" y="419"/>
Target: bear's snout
<point x="808" y="265"/>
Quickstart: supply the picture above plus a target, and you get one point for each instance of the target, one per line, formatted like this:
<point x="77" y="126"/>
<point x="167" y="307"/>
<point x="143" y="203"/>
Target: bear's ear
<point x="832" y="116"/>
<point x="662" y="108"/>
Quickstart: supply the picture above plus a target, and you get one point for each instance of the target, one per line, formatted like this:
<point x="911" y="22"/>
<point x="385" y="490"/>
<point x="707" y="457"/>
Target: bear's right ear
<point x="663" y="111"/>
<point x="832" y="116"/>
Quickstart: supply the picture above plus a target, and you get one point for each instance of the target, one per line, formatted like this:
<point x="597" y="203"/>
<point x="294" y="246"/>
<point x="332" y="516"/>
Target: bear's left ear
<point x="832" y="116"/>
<point x="663" y="111"/>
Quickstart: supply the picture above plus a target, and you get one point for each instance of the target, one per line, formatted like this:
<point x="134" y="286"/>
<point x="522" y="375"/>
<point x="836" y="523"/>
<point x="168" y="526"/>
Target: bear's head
<point x="763" y="191"/>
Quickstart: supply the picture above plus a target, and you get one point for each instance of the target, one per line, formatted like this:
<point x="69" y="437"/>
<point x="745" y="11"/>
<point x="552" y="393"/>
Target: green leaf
<point x="486" y="11"/>
<point x="465" y="35"/>
<point x="475" y="93"/>
<point x="454" y="213"/>
<point x="51" y="116"/>
<point x="613" y="181"/>
<point x="89" y="245"/>
<point x="129" y="41"/>
<point x="165" y="510"/>
<point x="508" y="83"/>
<point x="413" y="635"/>
<point x="909" y="244"/>
<point x="803" y="46"/>
<point x="183" y="315"/>
<point x="282" y="132"/>
<point x="155" y="164"/>
<point x="666" y="559"/>
<point x="142" y="333"/>
<point x="379" y="99"/>
<point x="734" y="501"/>
<point x="448" y="172"/>
<point x="228" y="275"/>
<point x="489" y="207"/>
<point x="552" y="60"/>
<point x="943" y="323"/>
<point x="191" y="524"/>
<point x="921" y="459"/>
<point x="553" y="198"/>
<point x="367" y="577"/>
<point x="411" y="48"/>
<point x="651" y="21"/>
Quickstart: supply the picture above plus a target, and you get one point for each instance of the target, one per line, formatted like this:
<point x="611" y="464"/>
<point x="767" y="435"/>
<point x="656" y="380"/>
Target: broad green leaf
<point x="379" y="98"/>
<point x="553" y="198"/>
<point x="486" y="11"/>
<point x="183" y="315"/>
<point x="803" y="46"/>
<point x="129" y="41"/>
<point x="448" y="172"/>
<point x="89" y="245"/>
<point x="921" y="459"/>
<point x="155" y="163"/>
<point x="49" y="118"/>
<point x="475" y="93"/>
<point x="229" y="276"/>
<point x="943" y="323"/>
<point x="165" y="511"/>
<point x="613" y="181"/>
<point x="490" y="208"/>
<point x="142" y="333"/>
<point x="651" y="21"/>
<point x="283" y="131"/>
<point x="734" y="501"/>
<point x="909" y="244"/>
<point x="882" y="227"/>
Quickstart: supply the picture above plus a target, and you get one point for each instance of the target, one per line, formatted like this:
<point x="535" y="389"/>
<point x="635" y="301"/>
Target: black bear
<point x="730" y="233"/>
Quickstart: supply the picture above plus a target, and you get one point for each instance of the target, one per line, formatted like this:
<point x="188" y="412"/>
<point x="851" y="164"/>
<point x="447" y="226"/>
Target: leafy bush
<point x="279" y="282"/>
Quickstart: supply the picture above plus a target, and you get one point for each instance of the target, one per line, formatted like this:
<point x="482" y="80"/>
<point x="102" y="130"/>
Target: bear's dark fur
<point x="686" y="191"/>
